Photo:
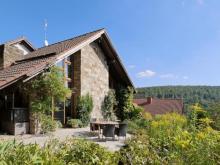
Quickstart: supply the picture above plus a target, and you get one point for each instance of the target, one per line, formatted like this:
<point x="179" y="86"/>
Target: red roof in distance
<point x="160" y="106"/>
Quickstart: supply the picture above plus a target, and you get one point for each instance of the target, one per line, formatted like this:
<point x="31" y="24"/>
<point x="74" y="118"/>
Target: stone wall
<point x="8" y="55"/>
<point x="11" y="54"/>
<point x="15" y="128"/>
<point x="1" y="56"/>
<point x="94" y="76"/>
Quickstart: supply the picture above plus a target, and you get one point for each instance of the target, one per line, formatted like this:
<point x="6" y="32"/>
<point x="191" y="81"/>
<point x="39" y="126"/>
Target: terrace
<point x="66" y="133"/>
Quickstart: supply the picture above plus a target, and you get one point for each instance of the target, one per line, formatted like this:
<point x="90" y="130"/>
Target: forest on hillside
<point x="203" y="95"/>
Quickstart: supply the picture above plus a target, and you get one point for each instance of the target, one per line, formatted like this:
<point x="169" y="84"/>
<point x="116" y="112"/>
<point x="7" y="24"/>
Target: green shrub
<point x="84" y="108"/>
<point x="126" y="110"/>
<point x="147" y="116"/>
<point x="12" y="153"/>
<point x="138" y="150"/>
<point x="136" y="112"/>
<point x="74" y="123"/>
<point x="108" y="106"/>
<point x="71" y="151"/>
<point x="124" y="96"/>
<point x="214" y="113"/>
<point x="196" y="117"/>
<point x="47" y="124"/>
<point x="137" y="126"/>
<point x="85" y="152"/>
<point x="58" y="124"/>
<point x="169" y="139"/>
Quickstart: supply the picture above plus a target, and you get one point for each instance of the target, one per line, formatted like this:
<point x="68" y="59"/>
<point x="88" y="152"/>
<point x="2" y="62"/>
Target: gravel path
<point x="64" y="133"/>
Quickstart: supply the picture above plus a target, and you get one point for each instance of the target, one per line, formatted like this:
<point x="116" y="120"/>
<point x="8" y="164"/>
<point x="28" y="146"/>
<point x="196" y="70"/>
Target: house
<point x="90" y="63"/>
<point x="156" y="106"/>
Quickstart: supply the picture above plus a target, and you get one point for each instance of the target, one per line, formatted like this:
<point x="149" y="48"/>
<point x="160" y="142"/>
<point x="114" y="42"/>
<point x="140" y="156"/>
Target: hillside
<point x="191" y="94"/>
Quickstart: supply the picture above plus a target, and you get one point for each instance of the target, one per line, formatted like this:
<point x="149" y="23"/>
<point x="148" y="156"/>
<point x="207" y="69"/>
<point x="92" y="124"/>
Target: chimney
<point x="149" y="100"/>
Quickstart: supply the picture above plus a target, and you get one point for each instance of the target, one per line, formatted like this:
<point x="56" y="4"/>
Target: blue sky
<point x="161" y="42"/>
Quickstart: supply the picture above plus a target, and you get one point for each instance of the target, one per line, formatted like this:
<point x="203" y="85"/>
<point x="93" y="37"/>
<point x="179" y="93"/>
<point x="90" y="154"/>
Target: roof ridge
<point x="14" y="40"/>
<point x="72" y="38"/>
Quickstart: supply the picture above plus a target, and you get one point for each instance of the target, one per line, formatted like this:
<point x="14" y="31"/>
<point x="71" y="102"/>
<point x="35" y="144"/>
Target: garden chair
<point x="109" y="131"/>
<point x="121" y="130"/>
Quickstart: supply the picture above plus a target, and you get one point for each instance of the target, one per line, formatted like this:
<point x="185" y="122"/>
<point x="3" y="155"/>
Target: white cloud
<point x="131" y="66"/>
<point x="168" y="76"/>
<point x="146" y="73"/>
<point x="185" y="77"/>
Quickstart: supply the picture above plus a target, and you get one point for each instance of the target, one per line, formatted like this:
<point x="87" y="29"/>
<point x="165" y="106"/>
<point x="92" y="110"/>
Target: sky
<point x="160" y="42"/>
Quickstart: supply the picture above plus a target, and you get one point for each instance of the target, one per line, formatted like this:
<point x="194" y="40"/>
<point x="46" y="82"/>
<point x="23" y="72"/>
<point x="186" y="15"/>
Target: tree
<point x="214" y="113"/>
<point x="84" y="108"/>
<point x="44" y="91"/>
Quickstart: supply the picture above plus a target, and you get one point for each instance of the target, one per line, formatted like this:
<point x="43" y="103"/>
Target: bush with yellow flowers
<point x="174" y="139"/>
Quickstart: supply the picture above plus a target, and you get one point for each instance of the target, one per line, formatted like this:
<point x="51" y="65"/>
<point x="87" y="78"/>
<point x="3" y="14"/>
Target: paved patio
<point x="64" y="133"/>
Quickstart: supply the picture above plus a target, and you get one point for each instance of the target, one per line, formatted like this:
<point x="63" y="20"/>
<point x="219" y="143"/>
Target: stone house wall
<point x="8" y="55"/>
<point x="94" y="76"/>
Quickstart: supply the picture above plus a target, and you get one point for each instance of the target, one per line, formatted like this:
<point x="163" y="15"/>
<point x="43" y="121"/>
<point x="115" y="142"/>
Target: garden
<point x="162" y="139"/>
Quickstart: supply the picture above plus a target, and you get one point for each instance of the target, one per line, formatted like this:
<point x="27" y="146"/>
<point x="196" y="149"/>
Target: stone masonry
<point x="9" y="55"/>
<point x="94" y="76"/>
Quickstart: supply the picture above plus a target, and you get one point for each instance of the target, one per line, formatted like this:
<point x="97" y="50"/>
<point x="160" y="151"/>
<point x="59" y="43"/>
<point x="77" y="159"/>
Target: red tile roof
<point x="40" y="58"/>
<point x="61" y="46"/>
<point x="161" y="106"/>
<point x="23" y="69"/>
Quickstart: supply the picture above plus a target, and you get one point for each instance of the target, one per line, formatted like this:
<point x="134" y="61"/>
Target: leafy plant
<point x="214" y="114"/>
<point x="47" y="124"/>
<point x="108" y="106"/>
<point x="135" y="112"/>
<point x="84" y="108"/>
<point x="197" y="116"/>
<point x="75" y="123"/>
<point x="147" y="116"/>
<point x="71" y="151"/>
<point x="169" y="139"/>
<point x="126" y="110"/>
<point x="138" y="126"/>
<point x="58" y="124"/>
<point x="85" y="152"/>
<point x="46" y="88"/>
<point x="44" y="92"/>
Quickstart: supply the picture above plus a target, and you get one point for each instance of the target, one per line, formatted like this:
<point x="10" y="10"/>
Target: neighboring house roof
<point x="25" y="69"/>
<point x="20" y="40"/>
<point x="160" y="106"/>
<point x="42" y="58"/>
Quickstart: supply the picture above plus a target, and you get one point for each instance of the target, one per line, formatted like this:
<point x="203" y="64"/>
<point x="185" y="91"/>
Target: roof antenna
<point x="45" y="33"/>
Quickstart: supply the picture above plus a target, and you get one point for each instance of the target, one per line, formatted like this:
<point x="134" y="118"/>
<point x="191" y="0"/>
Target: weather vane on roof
<point x="45" y="33"/>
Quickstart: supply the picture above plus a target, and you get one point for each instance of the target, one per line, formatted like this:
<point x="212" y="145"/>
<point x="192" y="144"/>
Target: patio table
<point x="102" y="123"/>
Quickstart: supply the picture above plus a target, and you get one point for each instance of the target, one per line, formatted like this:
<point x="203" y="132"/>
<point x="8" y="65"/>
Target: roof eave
<point x="118" y="59"/>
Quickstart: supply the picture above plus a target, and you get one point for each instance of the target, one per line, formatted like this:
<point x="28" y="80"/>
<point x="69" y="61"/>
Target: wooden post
<point x="64" y="111"/>
<point x="52" y="107"/>
<point x="13" y="100"/>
